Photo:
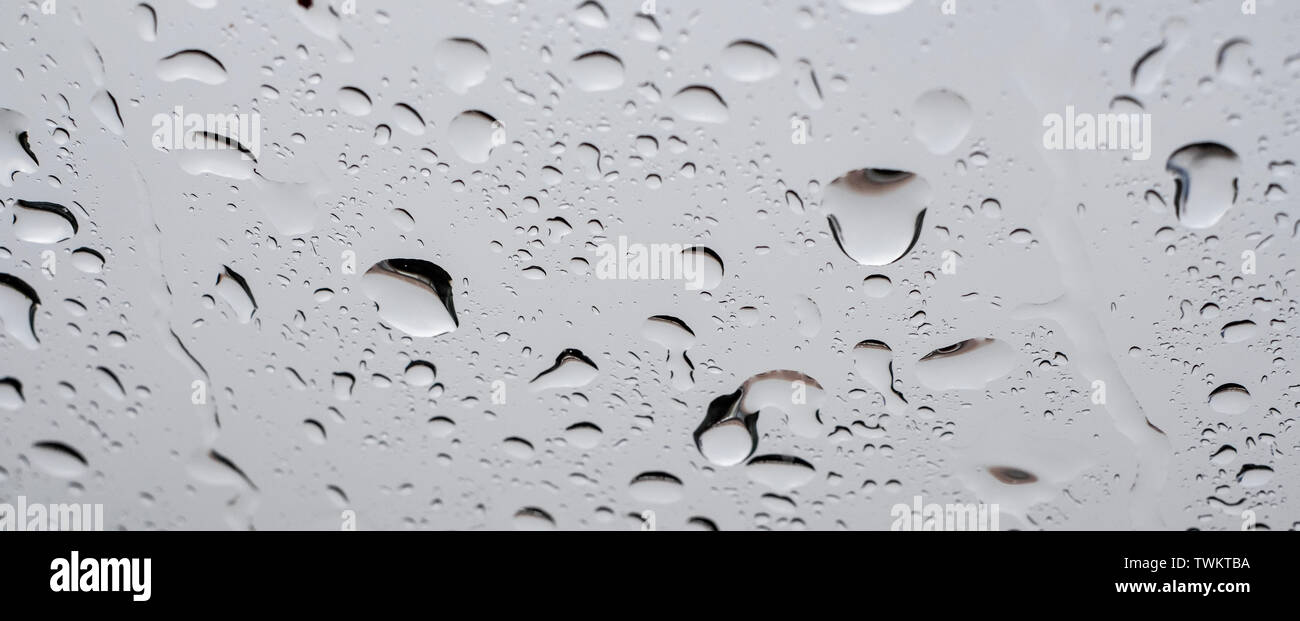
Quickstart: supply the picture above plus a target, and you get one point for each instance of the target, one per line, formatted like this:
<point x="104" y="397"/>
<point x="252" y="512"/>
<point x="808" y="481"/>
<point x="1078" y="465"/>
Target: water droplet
<point x="876" y="214"/>
<point x="1238" y="331"/>
<point x="146" y="22"/>
<point x="941" y="119"/>
<point x="1206" y="182"/>
<point x="420" y="374"/>
<point x="572" y="369"/>
<point x="700" y="104"/>
<point x="441" y="426"/>
<point x="1234" y="64"/>
<point x="18" y="302"/>
<point x="43" y="223"/>
<point x="408" y="120"/>
<point x="583" y="435"/>
<point x="709" y="264"/>
<point x="463" y="63"/>
<point x="354" y="101"/>
<point x="597" y="71"/>
<point x="11" y="394"/>
<point x="234" y="290"/>
<point x="1012" y="476"/>
<point x="748" y="61"/>
<point x="874" y="362"/>
<point x="15" y="152"/>
<point x="412" y="295"/>
<point x="191" y="65"/>
<point x="1230" y="399"/>
<point x="532" y="518"/>
<point x="591" y="14"/>
<point x="473" y="135"/>
<point x="877" y="286"/>
<point x="781" y="473"/>
<point x="1252" y="475"/>
<point x="104" y="106"/>
<point x="659" y="488"/>
<point x="968" y="365"/>
<point x="58" y="459"/>
<point x="518" y="448"/>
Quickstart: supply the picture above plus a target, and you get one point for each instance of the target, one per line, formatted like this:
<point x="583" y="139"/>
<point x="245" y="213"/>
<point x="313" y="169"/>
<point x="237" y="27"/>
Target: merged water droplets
<point x="728" y="434"/>
<point x="674" y="335"/>
<point x="874" y="362"/>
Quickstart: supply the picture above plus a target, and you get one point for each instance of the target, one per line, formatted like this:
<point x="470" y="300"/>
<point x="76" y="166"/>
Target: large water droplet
<point x="876" y="214"/>
<point x="412" y="295"/>
<point x="874" y="362"/>
<point x="15" y="152"/>
<point x="1234" y="64"/>
<point x="572" y="369"/>
<point x="104" y="106"/>
<point x="967" y="365"/>
<point x="58" y="459"/>
<point x="18" y="302"/>
<point x="597" y="71"/>
<point x="1238" y="331"/>
<point x="532" y="518"/>
<point x="658" y="488"/>
<point x="700" y="104"/>
<point x="11" y="394"/>
<point x="1230" y="399"/>
<point x="748" y="61"/>
<point x="354" y="101"/>
<point x="234" y="290"/>
<point x="191" y="65"/>
<point x="780" y="472"/>
<point x="941" y="119"/>
<point x="43" y="223"/>
<point x="727" y="436"/>
<point x="463" y="63"/>
<point x="473" y="134"/>
<point x="1205" y="174"/>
